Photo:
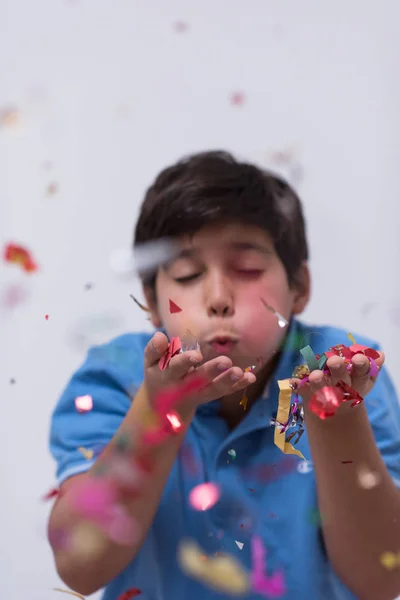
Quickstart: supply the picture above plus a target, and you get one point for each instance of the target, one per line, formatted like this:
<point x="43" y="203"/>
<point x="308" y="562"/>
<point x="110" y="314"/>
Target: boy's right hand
<point x="223" y="377"/>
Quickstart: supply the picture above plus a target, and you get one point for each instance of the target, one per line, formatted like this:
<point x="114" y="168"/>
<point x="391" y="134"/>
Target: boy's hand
<point x="358" y="377"/>
<point x="223" y="378"/>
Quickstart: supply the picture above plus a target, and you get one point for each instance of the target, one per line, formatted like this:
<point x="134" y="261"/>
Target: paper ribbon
<point x="285" y="395"/>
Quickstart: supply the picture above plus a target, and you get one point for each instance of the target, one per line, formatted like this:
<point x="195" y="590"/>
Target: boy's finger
<point x="180" y="364"/>
<point x="155" y="349"/>
<point x="212" y="368"/>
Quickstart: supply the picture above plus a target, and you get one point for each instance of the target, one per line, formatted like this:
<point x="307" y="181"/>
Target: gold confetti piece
<point x="70" y="593"/>
<point x="10" y="117"/>
<point x="88" y="454"/>
<point x="52" y="189"/>
<point x="351" y="338"/>
<point x="285" y="395"/>
<point x="389" y="560"/>
<point x="140" y="305"/>
<point x="244" y="401"/>
<point x="87" y="542"/>
<point x="222" y="573"/>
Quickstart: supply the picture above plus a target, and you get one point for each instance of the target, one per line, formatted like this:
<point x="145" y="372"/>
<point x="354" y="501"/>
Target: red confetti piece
<point x="46" y="317"/>
<point x="53" y="493"/>
<point x="13" y="253"/>
<point x="346" y="462"/>
<point x="173" y="349"/>
<point x="325" y="402"/>
<point x="204" y="496"/>
<point x="349" y="393"/>
<point x="84" y="404"/>
<point x="174" y="308"/>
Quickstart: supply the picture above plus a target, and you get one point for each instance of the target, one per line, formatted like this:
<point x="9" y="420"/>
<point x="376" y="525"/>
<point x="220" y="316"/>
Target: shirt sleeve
<point x="111" y="375"/>
<point x="384" y="412"/>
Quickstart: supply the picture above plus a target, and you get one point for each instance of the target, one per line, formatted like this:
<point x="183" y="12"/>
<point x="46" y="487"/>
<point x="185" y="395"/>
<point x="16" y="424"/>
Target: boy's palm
<point x="223" y="378"/>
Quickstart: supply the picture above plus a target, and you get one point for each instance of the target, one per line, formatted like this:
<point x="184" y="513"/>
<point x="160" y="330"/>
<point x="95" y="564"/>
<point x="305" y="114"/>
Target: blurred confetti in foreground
<point x="84" y="404"/>
<point x="204" y="496"/>
<point x="10" y="118"/>
<point x="148" y="257"/>
<point x="237" y="98"/>
<point x="19" y="255"/>
<point x="224" y="574"/>
<point x="12" y="296"/>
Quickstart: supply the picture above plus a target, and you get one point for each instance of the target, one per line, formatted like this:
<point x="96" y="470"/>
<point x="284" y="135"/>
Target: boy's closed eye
<point x="248" y="273"/>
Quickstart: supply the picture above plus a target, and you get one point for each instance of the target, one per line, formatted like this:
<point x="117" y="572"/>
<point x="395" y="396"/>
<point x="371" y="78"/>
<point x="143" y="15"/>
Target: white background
<point x="108" y="93"/>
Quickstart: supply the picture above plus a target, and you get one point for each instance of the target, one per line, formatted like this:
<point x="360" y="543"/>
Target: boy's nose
<point x="220" y="310"/>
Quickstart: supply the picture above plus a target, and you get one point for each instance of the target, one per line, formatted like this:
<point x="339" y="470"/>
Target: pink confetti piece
<point x="237" y="98"/>
<point x="204" y="496"/>
<point x="270" y="586"/>
<point x="121" y="528"/>
<point x="84" y="404"/>
<point x="175" y="421"/>
<point x="53" y="493"/>
<point x="94" y="499"/>
<point x="374" y="369"/>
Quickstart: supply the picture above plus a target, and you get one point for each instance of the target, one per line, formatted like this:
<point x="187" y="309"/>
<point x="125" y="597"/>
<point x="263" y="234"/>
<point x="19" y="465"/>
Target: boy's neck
<point x="231" y="410"/>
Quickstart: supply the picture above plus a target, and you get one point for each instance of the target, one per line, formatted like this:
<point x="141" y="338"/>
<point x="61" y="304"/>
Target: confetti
<point x="284" y="400"/>
<point x="70" y="593"/>
<point x="189" y="342"/>
<point x="272" y="586"/>
<point x="52" y="189"/>
<point x="367" y="479"/>
<point x="204" y="496"/>
<point x="12" y="381"/>
<point x="175" y="421"/>
<point x="13" y="295"/>
<point x="389" y="560"/>
<point x="46" y="317"/>
<point x="88" y="286"/>
<point x="244" y="401"/>
<point x="84" y="404"/>
<point x="237" y="98"/>
<point x="140" y="305"/>
<point x="351" y="338"/>
<point x="346" y="462"/>
<point x="232" y="453"/>
<point x="282" y="322"/>
<point x="10" y="117"/>
<point x="325" y="402"/>
<point x="16" y="254"/>
<point x="180" y="26"/>
<point x="173" y="349"/>
<point x="87" y="542"/>
<point x="239" y="545"/>
<point x="88" y="454"/>
<point x="222" y="573"/>
<point x="129" y="594"/>
<point x="174" y="308"/>
<point x="53" y="493"/>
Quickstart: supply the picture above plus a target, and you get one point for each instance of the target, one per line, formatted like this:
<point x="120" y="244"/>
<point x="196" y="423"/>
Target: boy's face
<point x="220" y="280"/>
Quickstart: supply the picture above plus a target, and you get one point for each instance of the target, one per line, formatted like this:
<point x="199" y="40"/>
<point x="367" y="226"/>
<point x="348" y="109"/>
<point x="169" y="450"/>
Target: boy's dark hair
<point x="210" y="187"/>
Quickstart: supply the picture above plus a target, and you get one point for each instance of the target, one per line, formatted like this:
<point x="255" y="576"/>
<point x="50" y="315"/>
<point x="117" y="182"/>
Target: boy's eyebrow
<point x="191" y="252"/>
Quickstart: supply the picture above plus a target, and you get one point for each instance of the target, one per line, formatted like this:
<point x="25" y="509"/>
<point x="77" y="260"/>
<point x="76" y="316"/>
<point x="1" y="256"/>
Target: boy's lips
<point x="222" y="344"/>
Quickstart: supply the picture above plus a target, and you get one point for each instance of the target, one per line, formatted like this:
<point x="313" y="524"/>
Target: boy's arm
<point x="88" y="577"/>
<point x="360" y="523"/>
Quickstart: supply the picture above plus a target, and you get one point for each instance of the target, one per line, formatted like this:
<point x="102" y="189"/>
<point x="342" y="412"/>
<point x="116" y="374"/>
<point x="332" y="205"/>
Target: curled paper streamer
<point x="282" y="416"/>
<point x="70" y="593"/>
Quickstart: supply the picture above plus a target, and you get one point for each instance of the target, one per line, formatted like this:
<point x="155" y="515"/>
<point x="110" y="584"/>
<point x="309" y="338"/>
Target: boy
<point x="242" y="250"/>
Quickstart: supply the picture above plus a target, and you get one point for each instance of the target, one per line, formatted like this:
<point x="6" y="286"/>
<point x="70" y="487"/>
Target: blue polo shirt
<point x="264" y="492"/>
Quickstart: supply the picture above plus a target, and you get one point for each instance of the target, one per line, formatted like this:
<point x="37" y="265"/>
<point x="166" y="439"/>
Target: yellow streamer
<point x="285" y="395"/>
<point x="351" y="338"/>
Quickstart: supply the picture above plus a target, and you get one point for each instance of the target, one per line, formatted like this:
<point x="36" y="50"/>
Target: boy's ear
<point x="301" y="289"/>
<point x="149" y="294"/>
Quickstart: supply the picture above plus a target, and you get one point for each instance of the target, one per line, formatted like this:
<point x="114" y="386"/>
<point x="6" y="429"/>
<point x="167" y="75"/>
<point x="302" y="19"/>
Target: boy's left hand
<point x="357" y="378"/>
